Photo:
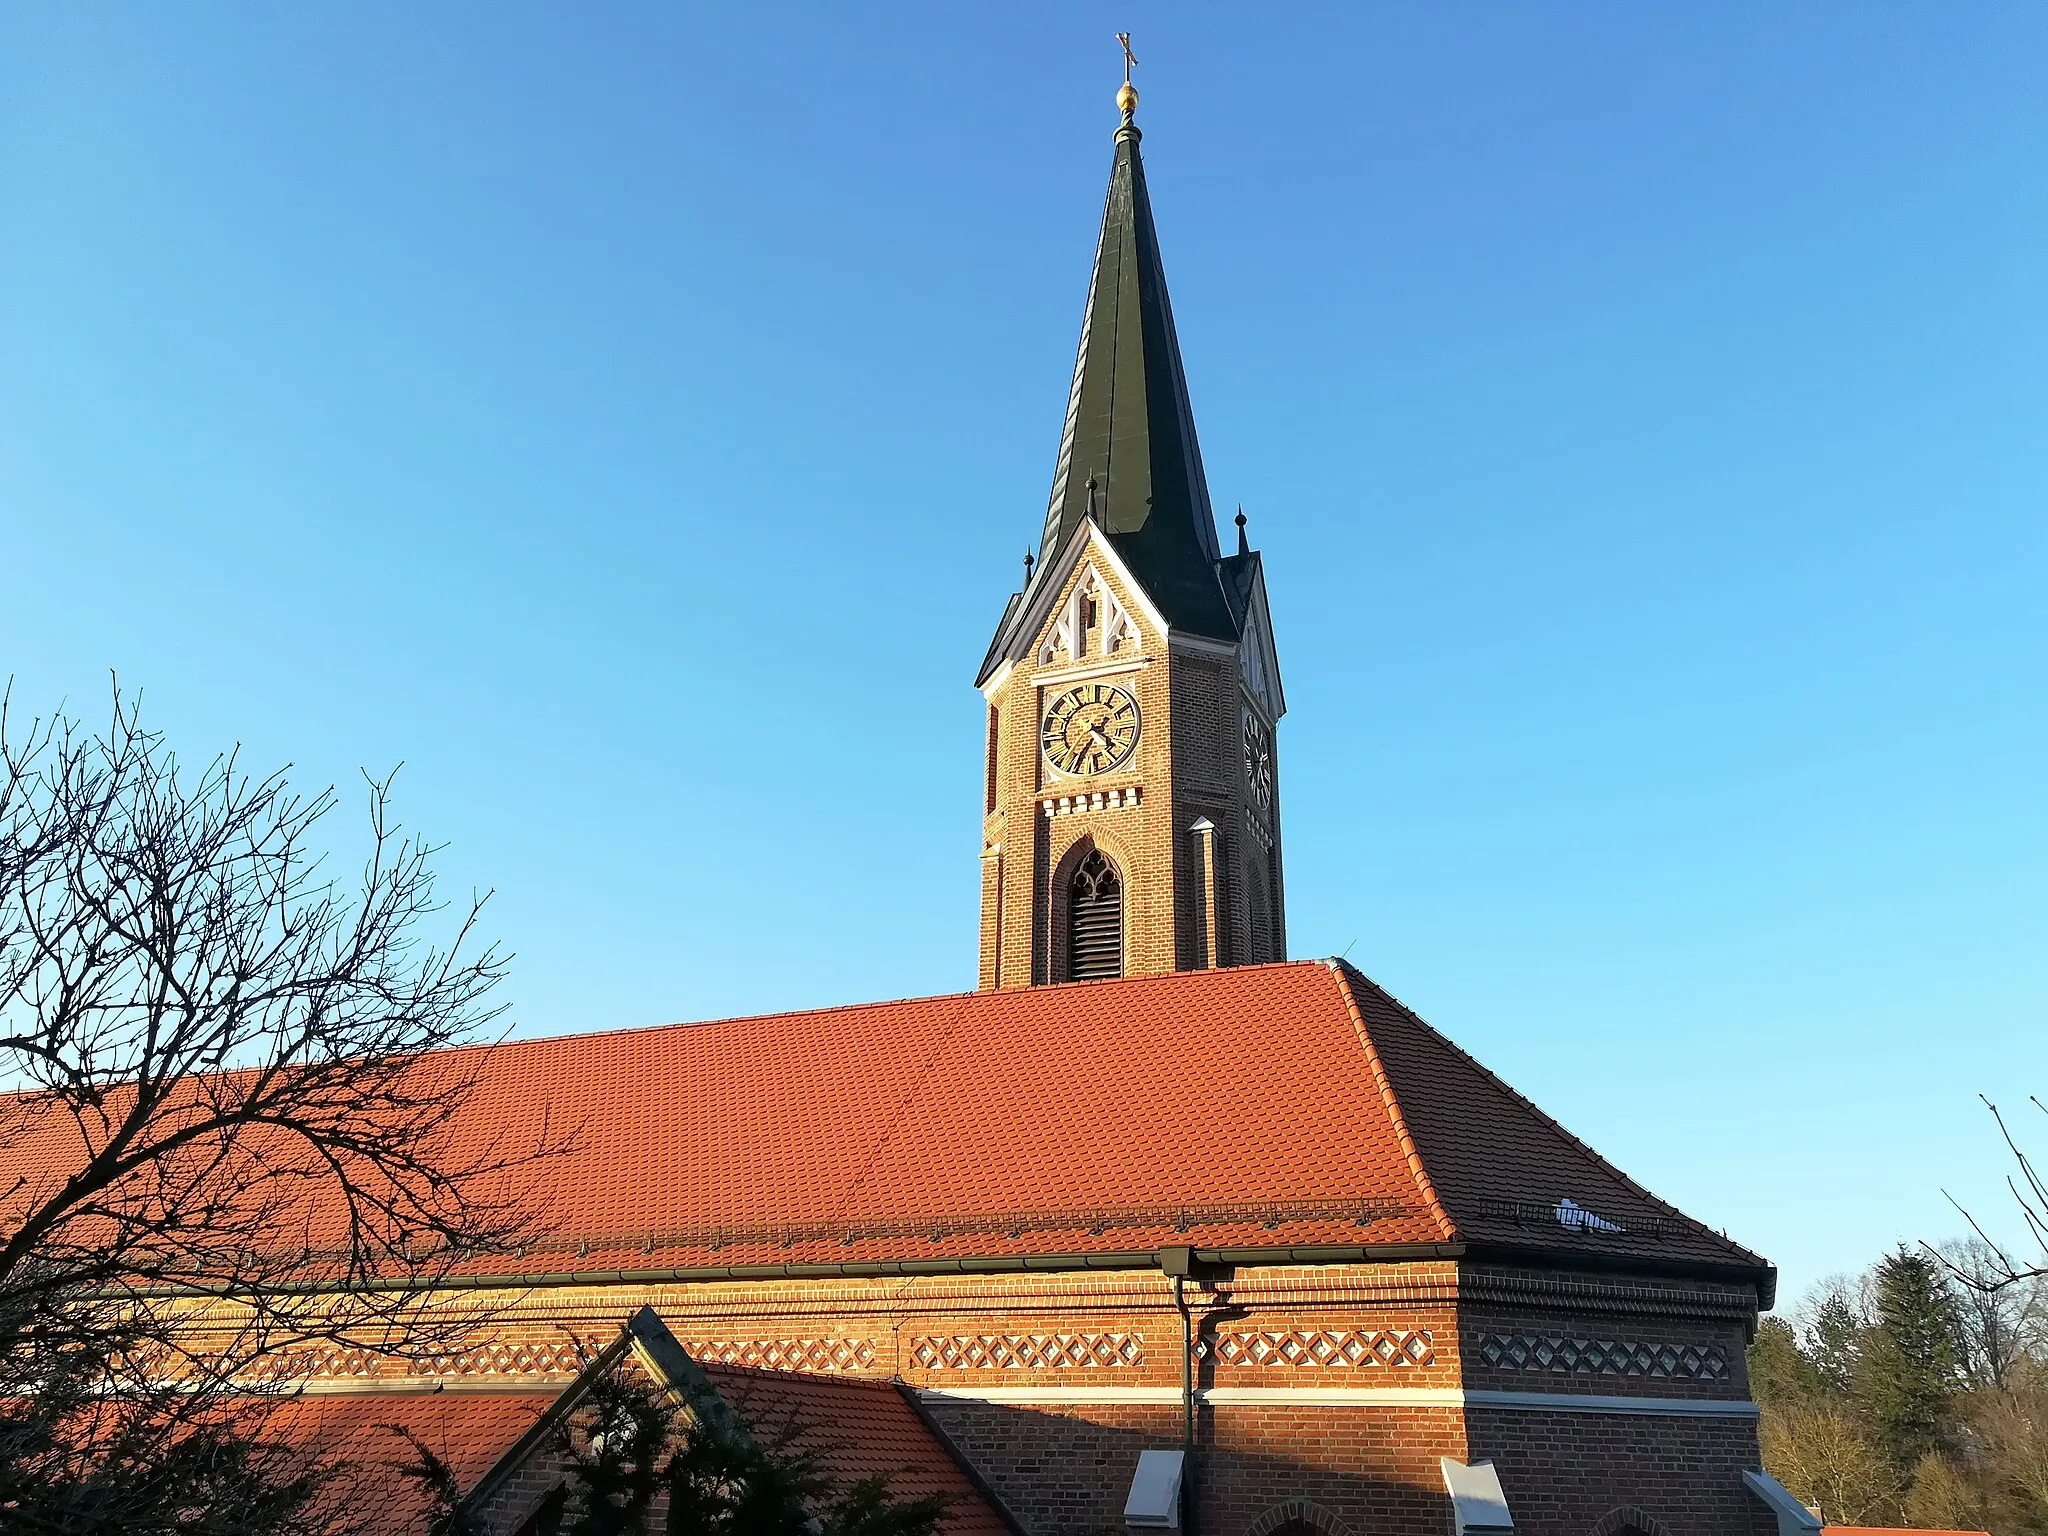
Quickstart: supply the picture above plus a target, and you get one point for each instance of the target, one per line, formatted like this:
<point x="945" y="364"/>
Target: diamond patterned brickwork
<point x="547" y="1358"/>
<point x="1027" y="1351"/>
<point x="333" y="1364"/>
<point x="785" y="1354"/>
<point x="1569" y="1355"/>
<point x="503" y="1358"/>
<point x="1391" y="1347"/>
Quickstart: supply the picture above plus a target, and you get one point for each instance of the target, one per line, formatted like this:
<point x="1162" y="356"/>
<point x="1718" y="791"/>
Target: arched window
<point x="1095" y="921"/>
<point x="1629" y="1521"/>
<point x="1261" y="918"/>
<point x="1297" y="1517"/>
<point x="995" y="740"/>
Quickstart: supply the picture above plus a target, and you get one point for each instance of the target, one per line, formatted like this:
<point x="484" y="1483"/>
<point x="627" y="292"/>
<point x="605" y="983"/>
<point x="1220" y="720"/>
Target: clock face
<point x="1258" y="760"/>
<point x="1091" y="728"/>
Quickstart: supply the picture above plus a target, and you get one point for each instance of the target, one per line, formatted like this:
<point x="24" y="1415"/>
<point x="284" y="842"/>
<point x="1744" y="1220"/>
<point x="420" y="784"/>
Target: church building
<point x="1157" y="1229"/>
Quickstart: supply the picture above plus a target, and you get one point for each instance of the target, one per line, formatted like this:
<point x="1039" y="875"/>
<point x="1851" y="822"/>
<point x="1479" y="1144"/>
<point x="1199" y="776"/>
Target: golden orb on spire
<point x="1127" y="98"/>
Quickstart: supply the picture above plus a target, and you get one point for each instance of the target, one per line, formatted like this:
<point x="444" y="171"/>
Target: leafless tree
<point x="2003" y="1321"/>
<point x="230" y="1118"/>
<point x="1996" y="1267"/>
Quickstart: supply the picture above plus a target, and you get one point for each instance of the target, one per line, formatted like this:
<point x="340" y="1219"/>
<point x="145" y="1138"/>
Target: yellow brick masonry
<point x="1188" y="764"/>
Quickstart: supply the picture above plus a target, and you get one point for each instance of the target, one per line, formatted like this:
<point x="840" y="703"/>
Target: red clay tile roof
<point x="1291" y="1105"/>
<point x="856" y="1429"/>
<point x="1499" y="1167"/>
<point x="1276" y="1106"/>
<point x="468" y="1430"/>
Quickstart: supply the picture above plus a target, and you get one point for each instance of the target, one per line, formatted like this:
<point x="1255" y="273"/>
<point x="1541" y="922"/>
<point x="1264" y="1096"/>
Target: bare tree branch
<point x="226" y="1073"/>
<point x="1995" y="1268"/>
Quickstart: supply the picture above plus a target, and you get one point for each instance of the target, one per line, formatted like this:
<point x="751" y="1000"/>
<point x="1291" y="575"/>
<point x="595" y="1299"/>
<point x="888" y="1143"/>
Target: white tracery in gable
<point x="1256" y="676"/>
<point x="1068" y="636"/>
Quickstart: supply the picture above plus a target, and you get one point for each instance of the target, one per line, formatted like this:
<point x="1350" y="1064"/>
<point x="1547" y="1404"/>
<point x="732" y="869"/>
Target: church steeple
<point x="1128" y="454"/>
<point x="1130" y="803"/>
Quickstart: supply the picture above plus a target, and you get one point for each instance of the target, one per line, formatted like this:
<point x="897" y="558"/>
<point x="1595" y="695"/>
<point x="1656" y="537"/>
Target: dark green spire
<point x="1128" y="455"/>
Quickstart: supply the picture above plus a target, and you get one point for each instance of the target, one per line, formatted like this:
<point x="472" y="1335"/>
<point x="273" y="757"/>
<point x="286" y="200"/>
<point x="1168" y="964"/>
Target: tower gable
<point x="1259" y="658"/>
<point x="1041" y="623"/>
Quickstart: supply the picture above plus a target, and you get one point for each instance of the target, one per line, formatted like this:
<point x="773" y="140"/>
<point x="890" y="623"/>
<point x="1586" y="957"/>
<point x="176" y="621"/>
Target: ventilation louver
<point x="1095" y="923"/>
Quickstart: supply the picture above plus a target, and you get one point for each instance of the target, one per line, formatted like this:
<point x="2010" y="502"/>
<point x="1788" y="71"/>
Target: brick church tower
<point x="1131" y="810"/>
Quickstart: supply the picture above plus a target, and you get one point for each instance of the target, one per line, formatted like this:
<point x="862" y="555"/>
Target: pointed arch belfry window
<point x="1095" y="920"/>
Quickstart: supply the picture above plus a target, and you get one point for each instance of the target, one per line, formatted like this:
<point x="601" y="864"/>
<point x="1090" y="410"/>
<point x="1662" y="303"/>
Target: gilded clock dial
<point x="1090" y="728"/>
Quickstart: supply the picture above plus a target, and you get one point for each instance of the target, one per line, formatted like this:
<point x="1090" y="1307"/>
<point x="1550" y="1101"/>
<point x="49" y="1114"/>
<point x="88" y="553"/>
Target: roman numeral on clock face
<point x="1090" y="728"/>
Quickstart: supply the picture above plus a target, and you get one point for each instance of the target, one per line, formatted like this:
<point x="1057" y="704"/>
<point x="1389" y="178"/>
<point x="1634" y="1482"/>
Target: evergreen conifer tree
<point x="1906" y="1377"/>
<point x="1834" y="1342"/>
<point x="1779" y="1372"/>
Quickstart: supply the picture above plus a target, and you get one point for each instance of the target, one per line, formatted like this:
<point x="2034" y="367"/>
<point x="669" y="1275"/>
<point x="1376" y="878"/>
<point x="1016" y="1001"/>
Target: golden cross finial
<point x="1127" y="98"/>
<point x="1130" y="59"/>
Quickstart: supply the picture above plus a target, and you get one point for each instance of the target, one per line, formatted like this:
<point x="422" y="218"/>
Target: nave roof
<point x="1293" y="1107"/>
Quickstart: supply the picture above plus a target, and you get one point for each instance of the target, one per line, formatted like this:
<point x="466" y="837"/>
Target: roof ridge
<point x="620" y="1031"/>
<point x="1425" y="1186"/>
<point x="1541" y="1114"/>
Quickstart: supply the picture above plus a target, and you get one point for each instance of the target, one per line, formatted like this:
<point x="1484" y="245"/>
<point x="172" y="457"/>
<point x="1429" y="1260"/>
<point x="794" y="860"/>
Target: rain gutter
<point x="848" y="1269"/>
<point x="1030" y="1263"/>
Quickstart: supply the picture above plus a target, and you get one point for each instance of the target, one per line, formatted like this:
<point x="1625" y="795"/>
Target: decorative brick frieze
<point x="1390" y="1347"/>
<point x="1569" y="1355"/>
<point x="501" y="1357"/>
<point x="785" y="1354"/>
<point x="510" y="1357"/>
<point x="1536" y="1289"/>
<point x="1099" y="800"/>
<point x="329" y="1364"/>
<point x="1032" y="1351"/>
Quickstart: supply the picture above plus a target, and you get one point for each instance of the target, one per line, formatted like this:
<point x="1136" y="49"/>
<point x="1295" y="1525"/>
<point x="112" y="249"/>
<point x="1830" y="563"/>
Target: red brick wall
<point x="1562" y="1472"/>
<point x="1272" y="1339"/>
<point x="1375" y="1469"/>
<point x="1067" y="1471"/>
<point x="1057" y="1470"/>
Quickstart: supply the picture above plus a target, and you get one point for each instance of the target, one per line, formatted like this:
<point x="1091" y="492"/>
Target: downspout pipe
<point x="1179" y="1264"/>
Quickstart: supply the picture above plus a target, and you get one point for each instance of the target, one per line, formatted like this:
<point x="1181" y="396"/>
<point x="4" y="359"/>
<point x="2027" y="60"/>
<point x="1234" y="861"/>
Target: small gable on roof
<point x="503" y="1451"/>
<point x="358" y="1435"/>
<point x="860" y="1429"/>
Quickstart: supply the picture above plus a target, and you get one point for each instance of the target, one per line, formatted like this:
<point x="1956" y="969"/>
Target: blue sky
<point x="614" y="414"/>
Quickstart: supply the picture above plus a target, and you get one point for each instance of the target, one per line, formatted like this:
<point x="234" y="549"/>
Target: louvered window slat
<point x="1095" y="921"/>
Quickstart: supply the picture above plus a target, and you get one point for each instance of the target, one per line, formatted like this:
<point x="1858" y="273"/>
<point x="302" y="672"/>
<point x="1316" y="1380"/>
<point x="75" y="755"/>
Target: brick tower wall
<point x="1188" y="765"/>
